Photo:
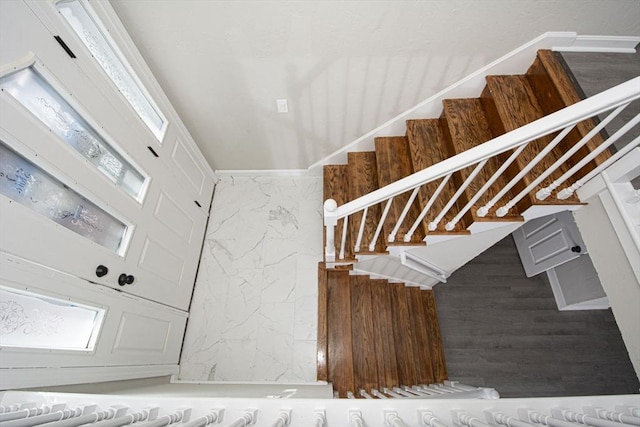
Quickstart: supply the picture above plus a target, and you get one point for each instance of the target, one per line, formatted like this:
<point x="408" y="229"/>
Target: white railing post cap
<point x="330" y="205"/>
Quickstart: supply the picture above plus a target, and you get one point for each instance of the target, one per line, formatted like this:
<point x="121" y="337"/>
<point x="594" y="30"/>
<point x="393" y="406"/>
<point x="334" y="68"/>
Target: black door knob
<point x="125" y="279"/>
<point x="577" y="249"/>
<point x="101" y="270"/>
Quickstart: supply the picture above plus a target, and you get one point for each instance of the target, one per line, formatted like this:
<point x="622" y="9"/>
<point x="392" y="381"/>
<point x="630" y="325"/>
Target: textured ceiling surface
<point x="345" y="67"/>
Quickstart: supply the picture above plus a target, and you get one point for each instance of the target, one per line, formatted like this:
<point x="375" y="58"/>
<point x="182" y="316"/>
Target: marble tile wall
<point x="254" y="310"/>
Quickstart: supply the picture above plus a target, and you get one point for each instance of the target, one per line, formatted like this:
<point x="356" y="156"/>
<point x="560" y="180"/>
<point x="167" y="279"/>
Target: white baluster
<point x="542" y="154"/>
<point x="432" y="199"/>
<point x="344" y="236"/>
<point x="28" y="410"/>
<point x="350" y="395"/>
<point x="284" y="418"/>
<point x="576" y="417"/>
<point x="497" y="417"/>
<point x="391" y="393"/>
<point x="538" y="418"/>
<point x="568" y="191"/>
<point x="392" y="419"/>
<point x="427" y="390"/>
<point x="546" y="192"/>
<point x="433" y="225"/>
<point x="463" y="418"/>
<point x="361" y="229"/>
<point x="355" y="418"/>
<point x="404" y="393"/>
<point x="611" y="416"/>
<point x="36" y="420"/>
<point x="319" y="418"/>
<point x="426" y="418"/>
<point x="119" y="421"/>
<point x="181" y="415"/>
<point x="90" y="415"/>
<point x="330" y="222"/>
<point x="452" y="224"/>
<point x="403" y="215"/>
<point x="377" y="394"/>
<point x="365" y="394"/>
<point x="483" y="211"/>
<point x="628" y="410"/>
<point x="214" y="416"/>
<point x="249" y="417"/>
<point x="372" y="245"/>
<point x="503" y="210"/>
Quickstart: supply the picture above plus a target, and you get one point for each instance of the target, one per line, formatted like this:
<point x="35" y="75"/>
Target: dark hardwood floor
<point x="503" y="330"/>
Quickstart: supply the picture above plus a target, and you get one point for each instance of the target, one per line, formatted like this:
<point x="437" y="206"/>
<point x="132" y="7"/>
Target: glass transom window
<point x="29" y="320"/>
<point x="29" y="88"/>
<point x="113" y="64"/>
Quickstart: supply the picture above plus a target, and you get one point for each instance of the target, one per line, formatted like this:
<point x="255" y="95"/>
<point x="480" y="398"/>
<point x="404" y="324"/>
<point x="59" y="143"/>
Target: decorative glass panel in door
<point x="30" y="320"/>
<point x="39" y="97"/>
<point x="27" y="184"/>
<point x="113" y="64"/>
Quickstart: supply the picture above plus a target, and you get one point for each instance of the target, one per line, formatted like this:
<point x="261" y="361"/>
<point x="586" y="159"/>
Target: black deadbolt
<point x="577" y="249"/>
<point x="124" y="279"/>
<point x="101" y="270"/>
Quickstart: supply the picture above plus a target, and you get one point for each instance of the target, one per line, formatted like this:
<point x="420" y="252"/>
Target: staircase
<point x="423" y="204"/>
<point x="379" y="335"/>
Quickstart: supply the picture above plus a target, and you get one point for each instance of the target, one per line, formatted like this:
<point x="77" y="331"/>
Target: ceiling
<point x="345" y="67"/>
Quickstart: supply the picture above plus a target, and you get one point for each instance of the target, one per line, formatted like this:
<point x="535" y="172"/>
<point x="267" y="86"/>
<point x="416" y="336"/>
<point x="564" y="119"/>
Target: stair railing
<point x="613" y="100"/>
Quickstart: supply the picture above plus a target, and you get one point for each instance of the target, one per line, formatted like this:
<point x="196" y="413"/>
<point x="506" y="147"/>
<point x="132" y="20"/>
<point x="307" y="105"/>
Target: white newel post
<point x="330" y="222"/>
<point x="392" y="419"/>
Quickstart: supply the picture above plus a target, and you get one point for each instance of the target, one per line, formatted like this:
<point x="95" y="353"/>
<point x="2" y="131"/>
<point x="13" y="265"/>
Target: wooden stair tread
<point x="467" y="126"/>
<point x="378" y="334"/>
<point x="336" y="187"/>
<point x="428" y="146"/>
<point x="322" y="373"/>
<point x="394" y="163"/>
<point x="555" y="89"/>
<point x="365" y="369"/>
<point x="435" y="337"/>
<point x="340" y="348"/>
<point x="362" y="175"/>
<point x="383" y="334"/>
<point x="403" y="335"/>
<point x="422" y="344"/>
<point x="511" y="103"/>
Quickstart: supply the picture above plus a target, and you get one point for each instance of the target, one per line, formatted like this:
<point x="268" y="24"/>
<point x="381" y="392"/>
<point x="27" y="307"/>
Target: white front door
<point x="161" y="228"/>
<point x="45" y="332"/>
<point x="546" y="242"/>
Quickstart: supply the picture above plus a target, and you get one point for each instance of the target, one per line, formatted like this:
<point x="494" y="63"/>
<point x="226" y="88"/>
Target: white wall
<point x="616" y="275"/>
<point x="345" y="67"/>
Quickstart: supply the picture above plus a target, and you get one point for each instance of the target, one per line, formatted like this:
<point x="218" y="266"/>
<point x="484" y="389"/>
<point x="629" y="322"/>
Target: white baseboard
<point x="263" y="172"/>
<point x="595" y="304"/>
<point x="601" y="44"/>
<point x="18" y="378"/>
